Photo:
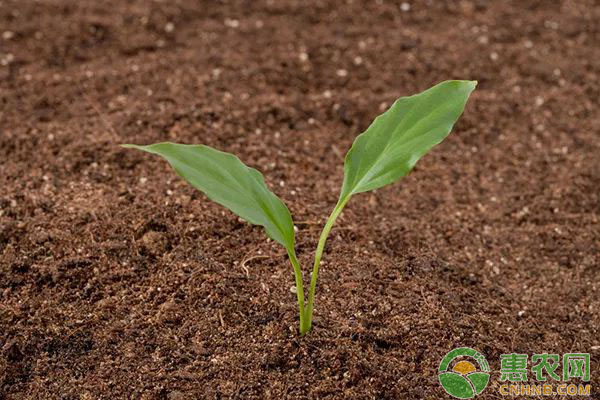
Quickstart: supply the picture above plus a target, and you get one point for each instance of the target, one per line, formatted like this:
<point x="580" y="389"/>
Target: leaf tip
<point x="468" y="86"/>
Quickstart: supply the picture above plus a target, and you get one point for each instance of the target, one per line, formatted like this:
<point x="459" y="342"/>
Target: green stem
<point x="299" y="288"/>
<point x="318" y="254"/>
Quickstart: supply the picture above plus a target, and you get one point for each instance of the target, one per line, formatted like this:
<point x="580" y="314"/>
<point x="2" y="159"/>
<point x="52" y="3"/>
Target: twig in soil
<point x="246" y="270"/>
<point x="337" y="152"/>
<point x="221" y="319"/>
<point x="247" y="260"/>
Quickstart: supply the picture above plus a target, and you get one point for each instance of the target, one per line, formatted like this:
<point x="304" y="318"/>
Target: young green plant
<point x="384" y="153"/>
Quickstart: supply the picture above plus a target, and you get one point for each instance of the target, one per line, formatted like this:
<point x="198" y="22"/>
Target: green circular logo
<point x="464" y="380"/>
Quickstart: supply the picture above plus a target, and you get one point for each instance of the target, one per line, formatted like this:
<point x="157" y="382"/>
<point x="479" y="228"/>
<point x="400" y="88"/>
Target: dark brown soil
<point x="119" y="281"/>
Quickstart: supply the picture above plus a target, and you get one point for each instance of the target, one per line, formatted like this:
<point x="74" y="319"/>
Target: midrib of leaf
<point x="219" y="168"/>
<point x="231" y="188"/>
<point x="274" y="221"/>
<point x="389" y="140"/>
<point x="242" y="184"/>
<point x="404" y="140"/>
<point x="259" y="199"/>
<point x="407" y="135"/>
<point x="376" y="175"/>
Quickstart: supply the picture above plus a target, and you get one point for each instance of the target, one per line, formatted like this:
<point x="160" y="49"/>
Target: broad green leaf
<point x="229" y="182"/>
<point x="398" y="138"/>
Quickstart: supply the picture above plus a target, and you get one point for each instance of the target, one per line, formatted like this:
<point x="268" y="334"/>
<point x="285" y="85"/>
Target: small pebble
<point x="232" y="23"/>
<point x="539" y="101"/>
<point x="405" y="7"/>
<point x="7" y="59"/>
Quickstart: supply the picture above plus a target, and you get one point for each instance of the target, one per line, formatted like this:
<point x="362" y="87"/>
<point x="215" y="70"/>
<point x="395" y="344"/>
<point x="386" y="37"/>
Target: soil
<point x="119" y="281"/>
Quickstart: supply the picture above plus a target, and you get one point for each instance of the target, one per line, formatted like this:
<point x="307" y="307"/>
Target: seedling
<point x="384" y="153"/>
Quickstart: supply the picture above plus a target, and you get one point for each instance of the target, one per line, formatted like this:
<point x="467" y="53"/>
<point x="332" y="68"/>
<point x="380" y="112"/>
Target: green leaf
<point x="229" y="182"/>
<point x="398" y="138"/>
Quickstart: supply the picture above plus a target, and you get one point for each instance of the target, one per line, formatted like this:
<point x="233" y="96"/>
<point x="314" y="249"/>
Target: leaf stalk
<point x="308" y="311"/>
<point x="299" y="286"/>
